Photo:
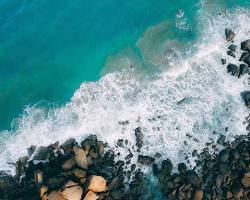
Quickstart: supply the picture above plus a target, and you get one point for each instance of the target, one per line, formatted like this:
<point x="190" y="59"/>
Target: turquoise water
<point x="48" y="48"/>
<point x="50" y="51"/>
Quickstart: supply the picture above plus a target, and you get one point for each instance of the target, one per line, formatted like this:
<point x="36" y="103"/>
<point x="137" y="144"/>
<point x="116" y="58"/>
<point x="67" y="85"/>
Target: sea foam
<point x="192" y="95"/>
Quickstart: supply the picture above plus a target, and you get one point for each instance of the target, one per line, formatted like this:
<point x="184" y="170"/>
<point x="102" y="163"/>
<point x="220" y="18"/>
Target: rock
<point x="232" y="47"/>
<point x="192" y="178"/>
<point x="139" y="137"/>
<point x="31" y="150"/>
<point x="56" y="196"/>
<point x="72" y="191"/>
<point x="117" y="194"/>
<point x="114" y="184"/>
<point x="97" y="184"/>
<point x="221" y="140"/>
<point x="223" y="61"/>
<point x="229" y="34"/>
<point x="244" y="55"/>
<point x="247" y="60"/>
<point x="198" y="195"/>
<point x="167" y="166"/>
<point x="100" y="148"/>
<point x="90" y="196"/>
<point x="43" y="190"/>
<point x="246" y="97"/>
<point x="69" y="164"/>
<point x="80" y="157"/>
<point x="8" y="186"/>
<point x="67" y="146"/>
<point x="231" y="53"/>
<point x="79" y="173"/>
<point x="55" y="182"/>
<point x="42" y="154"/>
<point x="39" y="177"/>
<point x="243" y="70"/>
<point x="246" y="180"/>
<point x="89" y="142"/>
<point x="145" y="160"/>
<point x="245" y="45"/>
<point x="233" y="69"/>
<point x="182" y="168"/>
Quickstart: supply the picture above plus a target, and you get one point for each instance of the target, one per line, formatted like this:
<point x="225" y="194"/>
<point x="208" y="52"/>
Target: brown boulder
<point x="90" y="196"/>
<point x="69" y="164"/>
<point x="97" y="184"/>
<point x="72" y="191"/>
<point x="246" y="180"/>
<point x="198" y="195"/>
<point x="80" y="157"/>
<point x="56" y="196"/>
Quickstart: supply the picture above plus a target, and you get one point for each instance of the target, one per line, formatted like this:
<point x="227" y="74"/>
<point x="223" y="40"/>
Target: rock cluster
<point x="69" y="172"/>
<point x="222" y="176"/>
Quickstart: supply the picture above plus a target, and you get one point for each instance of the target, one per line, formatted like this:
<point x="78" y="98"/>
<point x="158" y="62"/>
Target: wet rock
<point x="67" y="146"/>
<point x="243" y="70"/>
<point x="97" y="184"/>
<point x="139" y="137"/>
<point x="229" y="34"/>
<point x="193" y="179"/>
<point x="232" y="47"/>
<point x="233" y="69"/>
<point x="246" y="97"/>
<point x="115" y="183"/>
<point x="244" y="55"/>
<point x="90" y="141"/>
<point x="31" y="150"/>
<point x="231" y="53"/>
<point x="56" y="196"/>
<point x="8" y="186"/>
<point x="223" y="61"/>
<point x="69" y="164"/>
<point x="90" y="196"/>
<point x="245" y="45"/>
<point x="80" y="157"/>
<point x="100" y="148"/>
<point x="182" y="168"/>
<point x="198" y="195"/>
<point x="43" y="191"/>
<point x="246" y="180"/>
<point x="221" y="140"/>
<point x="145" y="160"/>
<point x="42" y="154"/>
<point x="72" y="191"/>
<point x="79" y="173"/>
<point x="129" y="156"/>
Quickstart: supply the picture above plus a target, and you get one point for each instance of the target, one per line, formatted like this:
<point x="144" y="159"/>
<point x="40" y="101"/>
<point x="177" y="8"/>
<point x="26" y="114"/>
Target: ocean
<point x="80" y="67"/>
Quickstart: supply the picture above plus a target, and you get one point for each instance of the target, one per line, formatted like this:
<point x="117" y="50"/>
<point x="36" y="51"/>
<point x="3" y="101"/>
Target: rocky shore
<point x="90" y="170"/>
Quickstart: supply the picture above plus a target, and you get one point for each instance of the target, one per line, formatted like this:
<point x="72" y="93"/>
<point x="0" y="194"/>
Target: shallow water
<point x="148" y="61"/>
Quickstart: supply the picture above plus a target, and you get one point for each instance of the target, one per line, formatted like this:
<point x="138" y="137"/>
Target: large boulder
<point x="246" y="97"/>
<point x="80" y="157"/>
<point x="233" y="69"/>
<point x="72" y="191"/>
<point x="243" y="70"/>
<point x="55" y="196"/>
<point x="229" y="34"/>
<point x="244" y="55"/>
<point x="42" y="154"/>
<point x="90" y="196"/>
<point x="97" y="184"/>
<point x="245" y="45"/>
<point x="9" y="189"/>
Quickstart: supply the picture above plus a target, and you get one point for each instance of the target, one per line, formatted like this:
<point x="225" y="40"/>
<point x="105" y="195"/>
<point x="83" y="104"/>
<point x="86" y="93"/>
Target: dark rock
<point x="42" y="154"/>
<point x="182" y="168"/>
<point x="247" y="60"/>
<point x="100" y="148"/>
<point x="31" y="150"/>
<point x="139" y="137"/>
<point x="244" y="55"/>
<point x="231" y="53"/>
<point x="192" y="178"/>
<point x="246" y="97"/>
<point x="129" y="156"/>
<point x="67" y="146"/>
<point x="117" y="194"/>
<point x="90" y="141"/>
<point x="245" y="45"/>
<point x="221" y="140"/>
<point x="233" y="69"/>
<point x="145" y="160"/>
<point x="223" y="61"/>
<point x="232" y="47"/>
<point x="243" y="70"/>
<point x="229" y="34"/>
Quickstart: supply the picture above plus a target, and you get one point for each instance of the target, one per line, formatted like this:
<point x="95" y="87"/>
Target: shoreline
<point x="89" y="170"/>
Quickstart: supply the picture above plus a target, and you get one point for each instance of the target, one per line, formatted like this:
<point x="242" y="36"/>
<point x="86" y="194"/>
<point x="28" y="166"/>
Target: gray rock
<point x="229" y="34"/>
<point x="246" y="97"/>
<point x="244" y="55"/>
<point x="245" y="45"/>
<point x="232" y="47"/>
<point x="243" y="70"/>
<point x="221" y="140"/>
<point x="145" y="160"/>
<point x="231" y="53"/>
<point x="42" y="154"/>
<point x="233" y="69"/>
<point x="223" y="61"/>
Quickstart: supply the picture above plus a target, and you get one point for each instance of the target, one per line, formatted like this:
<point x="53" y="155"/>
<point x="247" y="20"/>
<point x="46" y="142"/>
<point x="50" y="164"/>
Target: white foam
<point x="212" y="102"/>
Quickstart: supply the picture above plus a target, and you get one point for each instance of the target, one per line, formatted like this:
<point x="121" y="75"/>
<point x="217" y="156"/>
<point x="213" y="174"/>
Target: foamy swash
<point x="192" y="95"/>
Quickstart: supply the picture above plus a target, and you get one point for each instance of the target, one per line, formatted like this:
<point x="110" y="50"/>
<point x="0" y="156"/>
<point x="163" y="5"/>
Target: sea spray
<point x="193" y="95"/>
